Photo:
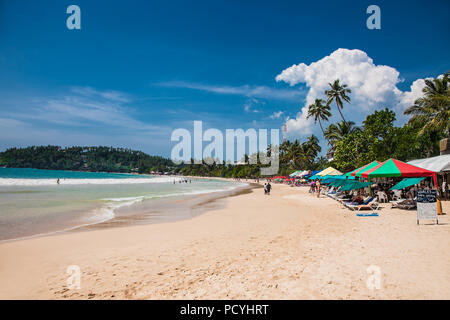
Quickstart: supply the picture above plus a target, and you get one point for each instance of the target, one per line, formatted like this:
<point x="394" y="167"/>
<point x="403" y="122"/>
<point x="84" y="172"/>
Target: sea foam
<point x="52" y="182"/>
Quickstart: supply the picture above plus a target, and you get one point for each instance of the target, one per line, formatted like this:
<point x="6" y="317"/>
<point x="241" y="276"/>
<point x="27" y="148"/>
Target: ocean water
<point x="32" y="203"/>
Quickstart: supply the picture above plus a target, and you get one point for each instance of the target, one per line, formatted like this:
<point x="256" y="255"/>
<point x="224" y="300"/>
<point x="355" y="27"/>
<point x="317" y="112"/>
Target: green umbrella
<point x="406" y="183"/>
<point x="352" y="185"/>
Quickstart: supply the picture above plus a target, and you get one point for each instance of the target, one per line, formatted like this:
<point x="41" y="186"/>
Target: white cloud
<point x="409" y="97"/>
<point x="83" y="107"/>
<point x="276" y="115"/>
<point x="250" y="105"/>
<point x="372" y="85"/>
<point x="245" y="90"/>
<point x="79" y="116"/>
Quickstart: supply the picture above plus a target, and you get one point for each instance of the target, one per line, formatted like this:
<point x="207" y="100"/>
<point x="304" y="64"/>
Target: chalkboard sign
<point x="427" y="205"/>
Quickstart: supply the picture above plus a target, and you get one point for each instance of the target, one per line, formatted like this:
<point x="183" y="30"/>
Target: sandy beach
<point x="289" y="245"/>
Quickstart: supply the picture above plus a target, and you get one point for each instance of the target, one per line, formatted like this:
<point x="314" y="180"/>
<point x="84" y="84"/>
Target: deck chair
<point x="372" y="205"/>
<point x="365" y="201"/>
<point x="397" y="195"/>
<point x="406" y="206"/>
<point x="382" y="197"/>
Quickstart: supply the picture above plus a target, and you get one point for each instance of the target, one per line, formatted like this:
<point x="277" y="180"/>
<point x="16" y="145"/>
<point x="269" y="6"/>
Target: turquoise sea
<point x="33" y="203"/>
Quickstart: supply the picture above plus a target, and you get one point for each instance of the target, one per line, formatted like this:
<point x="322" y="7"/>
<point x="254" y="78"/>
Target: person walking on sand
<point x="265" y="188"/>
<point x="268" y="188"/>
<point x="57" y="181"/>
<point x="318" y="188"/>
<point x="312" y="185"/>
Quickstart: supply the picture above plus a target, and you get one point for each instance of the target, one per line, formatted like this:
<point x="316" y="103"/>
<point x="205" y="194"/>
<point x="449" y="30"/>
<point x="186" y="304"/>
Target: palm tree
<point x="335" y="133"/>
<point x="338" y="93"/>
<point x="319" y="111"/>
<point x="433" y="109"/>
<point x="313" y="145"/>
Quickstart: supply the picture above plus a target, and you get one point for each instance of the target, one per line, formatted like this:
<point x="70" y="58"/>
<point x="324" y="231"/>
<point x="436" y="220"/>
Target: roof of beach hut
<point x="396" y="168"/>
<point x="437" y="164"/>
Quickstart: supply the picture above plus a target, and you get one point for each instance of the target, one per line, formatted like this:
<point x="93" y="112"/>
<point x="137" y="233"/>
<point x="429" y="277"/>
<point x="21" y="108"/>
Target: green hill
<point x="107" y="159"/>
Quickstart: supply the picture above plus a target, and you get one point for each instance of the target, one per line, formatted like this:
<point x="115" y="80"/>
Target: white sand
<point x="288" y="245"/>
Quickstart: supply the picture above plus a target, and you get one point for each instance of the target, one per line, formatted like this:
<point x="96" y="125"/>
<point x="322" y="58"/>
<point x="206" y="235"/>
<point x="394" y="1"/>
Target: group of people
<point x="314" y="187"/>
<point x="184" y="180"/>
<point x="267" y="188"/>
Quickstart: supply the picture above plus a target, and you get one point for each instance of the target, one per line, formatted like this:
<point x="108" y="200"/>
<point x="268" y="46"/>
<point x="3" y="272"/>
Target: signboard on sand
<point x="426" y="205"/>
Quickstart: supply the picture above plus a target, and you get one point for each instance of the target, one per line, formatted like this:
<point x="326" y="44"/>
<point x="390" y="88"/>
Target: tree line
<point x="106" y="159"/>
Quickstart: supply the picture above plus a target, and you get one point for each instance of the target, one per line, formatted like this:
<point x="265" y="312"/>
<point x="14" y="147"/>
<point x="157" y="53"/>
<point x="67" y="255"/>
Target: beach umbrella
<point x="397" y="168"/>
<point x="329" y="171"/>
<point x="294" y="174"/>
<point x="406" y="183"/>
<point x="330" y="179"/>
<point x="304" y="173"/>
<point x="339" y="182"/>
<point x="357" y="172"/>
<point x="353" y="185"/>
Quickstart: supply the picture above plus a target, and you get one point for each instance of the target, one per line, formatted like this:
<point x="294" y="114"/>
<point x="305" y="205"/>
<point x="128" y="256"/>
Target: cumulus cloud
<point x="372" y="85"/>
<point x="408" y="97"/>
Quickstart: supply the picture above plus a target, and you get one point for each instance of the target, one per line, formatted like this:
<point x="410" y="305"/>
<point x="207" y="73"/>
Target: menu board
<point x="427" y="205"/>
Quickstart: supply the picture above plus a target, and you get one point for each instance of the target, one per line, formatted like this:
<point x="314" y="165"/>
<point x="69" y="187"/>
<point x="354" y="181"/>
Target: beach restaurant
<point x="383" y="176"/>
<point x="440" y="165"/>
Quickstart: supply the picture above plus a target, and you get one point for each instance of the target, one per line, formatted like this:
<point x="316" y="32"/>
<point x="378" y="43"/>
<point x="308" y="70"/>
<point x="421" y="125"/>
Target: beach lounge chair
<point x="366" y="200"/>
<point x="406" y="206"/>
<point x="396" y="202"/>
<point x="371" y="205"/>
<point x="345" y="198"/>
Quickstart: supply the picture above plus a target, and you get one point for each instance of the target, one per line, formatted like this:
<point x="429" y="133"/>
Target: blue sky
<point x="137" y="70"/>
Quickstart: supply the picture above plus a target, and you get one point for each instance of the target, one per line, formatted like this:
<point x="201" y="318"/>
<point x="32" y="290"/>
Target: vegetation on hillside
<point x="107" y="159"/>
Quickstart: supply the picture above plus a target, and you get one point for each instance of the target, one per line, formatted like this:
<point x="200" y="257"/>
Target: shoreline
<point x="289" y="245"/>
<point x="192" y="205"/>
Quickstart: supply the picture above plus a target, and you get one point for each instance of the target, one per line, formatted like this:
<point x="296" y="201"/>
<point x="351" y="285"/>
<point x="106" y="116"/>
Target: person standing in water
<point x="57" y="181"/>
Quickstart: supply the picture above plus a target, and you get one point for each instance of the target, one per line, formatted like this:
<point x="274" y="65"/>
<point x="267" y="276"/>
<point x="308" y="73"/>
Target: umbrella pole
<point x="438" y="201"/>
<point x="370" y="187"/>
